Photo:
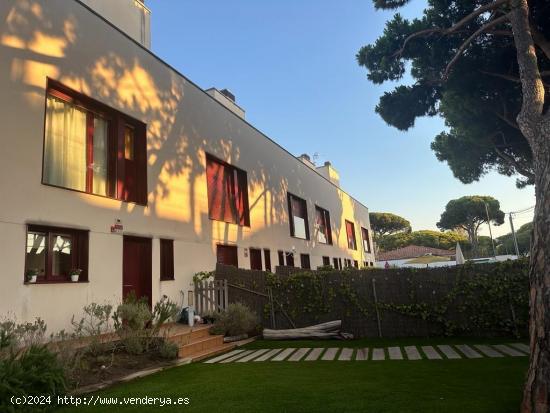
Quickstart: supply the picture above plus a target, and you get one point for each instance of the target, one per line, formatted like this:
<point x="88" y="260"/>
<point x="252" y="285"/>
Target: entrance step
<point x="200" y="345"/>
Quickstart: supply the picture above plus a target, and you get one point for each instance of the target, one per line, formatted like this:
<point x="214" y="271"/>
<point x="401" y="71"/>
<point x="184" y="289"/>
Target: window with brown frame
<point x="227" y="192"/>
<point x="289" y="259"/>
<point x="326" y="261"/>
<point x="335" y="261"/>
<point x="166" y="259"/>
<point x="54" y="252"/>
<point x="350" y="231"/>
<point x="356" y="263"/>
<point x="366" y="239"/>
<point x="304" y="261"/>
<point x="281" y="256"/>
<point x="322" y="221"/>
<point x="90" y="147"/>
<point x="297" y="212"/>
<point x="255" y="259"/>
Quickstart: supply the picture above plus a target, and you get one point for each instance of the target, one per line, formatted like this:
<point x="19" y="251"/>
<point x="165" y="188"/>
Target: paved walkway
<point x="440" y="352"/>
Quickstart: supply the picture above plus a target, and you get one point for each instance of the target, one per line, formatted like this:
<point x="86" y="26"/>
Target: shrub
<point x="237" y="320"/>
<point x="168" y="350"/>
<point x="35" y="371"/>
<point x="93" y="325"/>
<point x="130" y="321"/>
<point x="14" y="337"/>
<point x="164" y="310"/>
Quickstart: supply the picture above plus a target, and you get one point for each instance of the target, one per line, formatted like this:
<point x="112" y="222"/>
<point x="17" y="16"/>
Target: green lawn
<point x="482" y="385"/>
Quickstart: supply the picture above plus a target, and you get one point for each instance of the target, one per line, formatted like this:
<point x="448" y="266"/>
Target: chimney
<point x="307" y="160"/>
<point x="328" y="171"/>
<point x="227" y="99"/>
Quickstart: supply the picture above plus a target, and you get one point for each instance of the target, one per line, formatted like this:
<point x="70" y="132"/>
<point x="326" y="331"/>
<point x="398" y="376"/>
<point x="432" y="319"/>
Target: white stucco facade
<point x="67" y="42"/>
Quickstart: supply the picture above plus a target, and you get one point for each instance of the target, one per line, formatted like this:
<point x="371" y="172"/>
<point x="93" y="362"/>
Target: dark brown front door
<point x="227" y="254"/>
<point x="137" y="267"/>
<point x="255" y="259"/>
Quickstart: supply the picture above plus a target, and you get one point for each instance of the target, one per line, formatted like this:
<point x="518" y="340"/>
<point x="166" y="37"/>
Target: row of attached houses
<point x="115" y="164"/>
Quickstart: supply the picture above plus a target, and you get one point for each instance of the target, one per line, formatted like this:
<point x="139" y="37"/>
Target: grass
<point x="473" y="386"/>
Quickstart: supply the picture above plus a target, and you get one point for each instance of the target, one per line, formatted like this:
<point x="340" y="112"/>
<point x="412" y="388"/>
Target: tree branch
<point x="467" y="42"/>
<point x="541" y="41"/>
<point x="515" y="164"/>
<point x="506" y="120"/>
<point x="454" y="28"/>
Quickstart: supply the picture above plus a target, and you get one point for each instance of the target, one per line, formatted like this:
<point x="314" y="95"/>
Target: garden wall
<point x="480" y="300"/>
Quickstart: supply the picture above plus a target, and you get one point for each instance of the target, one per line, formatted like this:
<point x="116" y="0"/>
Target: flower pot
<point x="74" y="278"/>
<point x="31" y="279"/>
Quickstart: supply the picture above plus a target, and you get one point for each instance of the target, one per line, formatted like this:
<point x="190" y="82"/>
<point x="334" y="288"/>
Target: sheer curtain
<point x="65" y="146"/>
<point x="100" y="156"/>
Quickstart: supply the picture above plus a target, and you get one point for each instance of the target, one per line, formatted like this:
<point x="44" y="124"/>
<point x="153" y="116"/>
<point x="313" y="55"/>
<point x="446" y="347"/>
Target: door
<point x="227" y="254"/>
<point x="255" y="259"/>
<point x="137" y="267"/>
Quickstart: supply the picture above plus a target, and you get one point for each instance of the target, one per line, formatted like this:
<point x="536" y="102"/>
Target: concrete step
<point x="200" y="345"/>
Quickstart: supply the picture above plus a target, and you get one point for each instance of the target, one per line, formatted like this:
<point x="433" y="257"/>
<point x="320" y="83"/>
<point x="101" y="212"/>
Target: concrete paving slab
<point x="253" y="355"/>
<point x="395" y="353"/>
<point x="269" y="354"/>
<point x="238" y="356"/>
<point x="224" y="356"/>
<point x="449" y="352"/>
<point x="488" y="350"/>
<point x="283" y="354"/>
<point x="345" y="354"/>
<point x="314" y="354"/>
<point x="412" y="353"/>
<point x="330" y="354"/>
<point x="510" y="351"/>
<point x="299" y="354"/>
<point x="468" y="351"/>
<point x="378" y="354"/>
<point x="362" y="354"/>
<point x="431" y="353"/>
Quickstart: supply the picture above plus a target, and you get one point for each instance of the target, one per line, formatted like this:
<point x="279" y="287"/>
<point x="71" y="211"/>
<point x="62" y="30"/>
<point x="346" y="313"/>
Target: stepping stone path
<point x="430" y="352"/>
<point x="446" y="352"/>
<point x="378" y="354"/>
<point x="330" y="354"/>
<point x="395" y="353"/>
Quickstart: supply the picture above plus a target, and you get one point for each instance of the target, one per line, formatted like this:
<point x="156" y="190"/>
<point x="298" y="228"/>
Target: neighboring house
<point x="416" y="256"/>
<point x="116" y="164"/>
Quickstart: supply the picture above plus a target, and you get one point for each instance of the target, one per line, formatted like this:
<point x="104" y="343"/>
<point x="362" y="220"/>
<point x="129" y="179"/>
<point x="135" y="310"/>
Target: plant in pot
<point x="31" y="275"/>
<point x="75" y="274"/>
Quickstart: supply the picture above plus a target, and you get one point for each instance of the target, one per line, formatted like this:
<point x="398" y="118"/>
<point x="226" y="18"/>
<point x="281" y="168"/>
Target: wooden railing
<point x="211" y="296"/>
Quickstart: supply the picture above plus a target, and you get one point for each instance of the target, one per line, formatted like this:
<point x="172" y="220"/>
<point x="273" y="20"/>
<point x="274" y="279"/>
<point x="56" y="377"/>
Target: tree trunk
<point x="536" y="397"/>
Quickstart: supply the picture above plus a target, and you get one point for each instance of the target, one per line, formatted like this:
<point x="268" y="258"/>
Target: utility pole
<point x="514" y="234"/>
<point x="490" y="231"/>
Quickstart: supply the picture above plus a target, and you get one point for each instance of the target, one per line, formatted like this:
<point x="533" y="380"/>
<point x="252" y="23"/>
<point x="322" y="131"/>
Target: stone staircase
<point x="196" y="343"/>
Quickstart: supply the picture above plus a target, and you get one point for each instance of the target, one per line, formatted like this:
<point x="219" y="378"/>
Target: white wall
<point x="63" y="40"/>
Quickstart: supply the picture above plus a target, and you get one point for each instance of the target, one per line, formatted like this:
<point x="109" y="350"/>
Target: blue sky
<point x="291" y="65"/>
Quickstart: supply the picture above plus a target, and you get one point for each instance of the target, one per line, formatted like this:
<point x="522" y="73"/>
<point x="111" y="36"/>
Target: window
<point x="355" y="263"/>
<point x="227" y="192"/>
<point x="81" y="141"/>
<point x="267" y="259"/>
<point x="304" y="261"/>
<point x="166" y="259"/>
<point x="54" y="252"/>
<point x="297" y="211"/>
<point x="340" y="263"/>
<point x="281" y="255"/>
<point x="365" y="263"/>
<point x="335" y="260"/>
<point x="326" y="261"/>
<point x="255" y="259"/>
<point x="322" y="221"/>
<point x="366" y="239"/>
<point x="350" y="231"/>
<point x="290" y="259"/>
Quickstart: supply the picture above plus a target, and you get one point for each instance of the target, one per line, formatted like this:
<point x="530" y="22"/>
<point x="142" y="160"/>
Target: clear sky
<point x="291" y="65"/>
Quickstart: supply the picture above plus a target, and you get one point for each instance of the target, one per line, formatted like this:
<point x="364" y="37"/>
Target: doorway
<point x="137" y="267"/>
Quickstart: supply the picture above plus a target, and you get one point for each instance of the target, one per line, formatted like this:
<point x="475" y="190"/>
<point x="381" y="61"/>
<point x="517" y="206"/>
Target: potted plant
<point x="75" y="274"/>
<point x="31" y="275"/>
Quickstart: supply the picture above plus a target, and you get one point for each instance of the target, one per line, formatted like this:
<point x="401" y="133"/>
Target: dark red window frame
<point x="281" y="256"/>
<point x="79" y="253"/>
<point x="326" y="261"/>
<point x="289" y="259"/>
<point x="335" y="265"/>
<point x="350" y="231"/>
<point x="126" y="179"/>
<point x="305" y="261"/>
<point x="365" y="236"/>
<point x="166" y="259"/>
<point x="322" y="217"/>
<point x="227" y="188"/>
<point x="297" y="207"/>
<point x="255" y="259"/>
<point x="267" y="259"/>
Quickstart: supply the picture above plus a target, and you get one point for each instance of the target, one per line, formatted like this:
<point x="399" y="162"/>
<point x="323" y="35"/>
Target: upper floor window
<point x="53" y="253"/>
<point x="297" y="211"/>
<point x="322" y="220"/>
<point x="350" y="231"/>
<point x="366" y="239"/>
<point x="227" y="192"/>
<point x="81" y="147"/>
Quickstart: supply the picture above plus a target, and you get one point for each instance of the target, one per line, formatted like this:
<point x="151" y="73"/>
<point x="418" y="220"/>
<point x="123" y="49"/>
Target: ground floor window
<point x="166" y="259"/>
<point x="290" y="259"/>
<point x="54" y="253"/>
<point x="326" y="261"/>
<point x="267" y="259"/>
<point x="304" y="261"/>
